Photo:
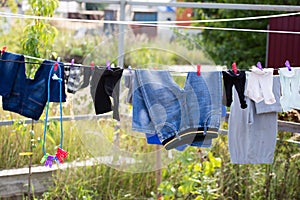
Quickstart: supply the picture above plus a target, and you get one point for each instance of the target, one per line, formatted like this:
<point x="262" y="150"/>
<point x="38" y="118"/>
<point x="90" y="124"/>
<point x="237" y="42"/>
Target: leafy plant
<point x="191" y="177"/>
<point x="39" y="35"/>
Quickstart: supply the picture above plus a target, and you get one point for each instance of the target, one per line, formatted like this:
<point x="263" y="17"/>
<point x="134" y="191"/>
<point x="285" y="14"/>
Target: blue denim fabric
<point x="161" y="107"/>
<point x="29" y="96"/>
<point x="224" y="111"/>
<point x="54" y="85"/>
<point x="8" y="72"/>
<point x="205" y="143"/>
<point x="153" y="139"/>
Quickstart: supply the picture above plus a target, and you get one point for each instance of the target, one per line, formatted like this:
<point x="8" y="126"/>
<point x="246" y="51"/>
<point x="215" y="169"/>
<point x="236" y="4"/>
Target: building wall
<point x="284" y="47"/>
<point x="184" y="14"/>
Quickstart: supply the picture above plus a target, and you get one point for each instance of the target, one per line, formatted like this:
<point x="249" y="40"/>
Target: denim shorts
<point x="8" y="72"/>
<point x="29" y="96"/>
<point x="161" y="107"/>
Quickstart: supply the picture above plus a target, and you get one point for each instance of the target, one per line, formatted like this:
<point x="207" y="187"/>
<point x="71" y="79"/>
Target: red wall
<point x="184" y="14"/>
<point x="284" y="47"/>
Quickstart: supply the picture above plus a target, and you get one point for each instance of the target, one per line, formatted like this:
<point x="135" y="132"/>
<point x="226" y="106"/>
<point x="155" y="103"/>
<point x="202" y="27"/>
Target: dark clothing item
<point x="87" y="74"/>
<point x="96" y="76"/>
<point x="9" y="71"/>
<point x="128" y="82"/>
<point x="54" y="84"/>
<point x="72" y="78"/>
<point x="29" y="96"/>
<point x="238" y="80"/>
<point x="105" y="84"/>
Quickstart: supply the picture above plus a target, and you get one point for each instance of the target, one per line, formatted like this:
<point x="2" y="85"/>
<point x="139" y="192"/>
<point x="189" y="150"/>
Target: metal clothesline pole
<point x="121" y="35"/>
<point x="262" y="7"/>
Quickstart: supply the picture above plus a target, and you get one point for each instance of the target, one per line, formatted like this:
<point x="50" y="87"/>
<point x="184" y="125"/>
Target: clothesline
<point x="13" y="15"/>
<point x="38" y="63"/>
<point x="42" y="59"/>
<point x="146" y="90"/>
<point x="192" y="68"/>
<point x="218" y="68"/>
<point x="165" y="23"/>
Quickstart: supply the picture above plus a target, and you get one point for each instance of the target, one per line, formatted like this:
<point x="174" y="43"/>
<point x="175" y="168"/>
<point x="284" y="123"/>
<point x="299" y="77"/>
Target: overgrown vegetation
<point x="188" y="178"/>
<point x="195" y="174"/>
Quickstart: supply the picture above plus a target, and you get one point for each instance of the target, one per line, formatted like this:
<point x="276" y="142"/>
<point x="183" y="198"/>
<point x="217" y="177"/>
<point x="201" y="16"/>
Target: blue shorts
<point x="9" y="72"/>
<point x="161" y="107"/>
<point x="28" y="97"/>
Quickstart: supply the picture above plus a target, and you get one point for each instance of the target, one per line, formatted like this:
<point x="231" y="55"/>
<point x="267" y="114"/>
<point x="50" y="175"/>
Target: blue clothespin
<point x="129" y="68"/>
<point x="287" y="64"/>
<point x="108" y="65"/>
<point x="259" y="66"/>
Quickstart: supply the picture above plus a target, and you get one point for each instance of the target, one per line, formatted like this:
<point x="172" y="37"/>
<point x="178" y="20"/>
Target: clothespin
<point x="3" y="49"/>
<point x="234" y="68"/>
<point x="287" y="64"/>
<point x="44" y="158"/>
<point x="49" y="161"/>
<point x="129" y="68"/>
<point x="198" y="70"/>
<point x="259" y="66"/>
<point x="92" y="65"/>
<point x="108" y="65"/>
<point x="56" y="64"/>
<point x="61" y="154"/>
<point x="72" y="62"/>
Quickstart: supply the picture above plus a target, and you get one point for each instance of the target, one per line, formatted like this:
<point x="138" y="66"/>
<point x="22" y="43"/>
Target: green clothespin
<point x="44" y="158"/>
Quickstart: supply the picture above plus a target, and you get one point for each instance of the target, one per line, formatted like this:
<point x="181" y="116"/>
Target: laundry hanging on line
<point x="26" y="96"/>
<point x="172" y="138"/>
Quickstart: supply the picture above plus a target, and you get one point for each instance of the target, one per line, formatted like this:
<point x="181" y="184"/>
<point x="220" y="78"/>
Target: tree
<point x="39" y="35"/>
<point x="244" y="48"/>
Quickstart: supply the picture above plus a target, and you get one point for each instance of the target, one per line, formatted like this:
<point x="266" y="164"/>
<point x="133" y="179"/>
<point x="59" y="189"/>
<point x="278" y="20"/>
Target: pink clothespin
<point x="234" y="68"/>
<point x="108" y="65"/>
<point x="72" y="62"/>
<point x="92" y="65"/>
<point x="3" y="49"/>
<point x="61" y="154"/>
<point x="259" y="66"/>
<point x="198" y="70"/>
<point x="56" y="64"/>
<point x="287" y="64"/>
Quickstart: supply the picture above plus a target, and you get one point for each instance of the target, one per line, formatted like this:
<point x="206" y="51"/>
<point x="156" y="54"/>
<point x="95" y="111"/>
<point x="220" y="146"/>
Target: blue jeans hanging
<point x="161" y="107"/>
<point x="29" y="96"/>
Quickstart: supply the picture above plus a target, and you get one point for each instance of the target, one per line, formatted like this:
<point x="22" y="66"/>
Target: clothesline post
<point x="158" y="170"/>
<point x="30" y="160"/>
<point x="121" y="34"/>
